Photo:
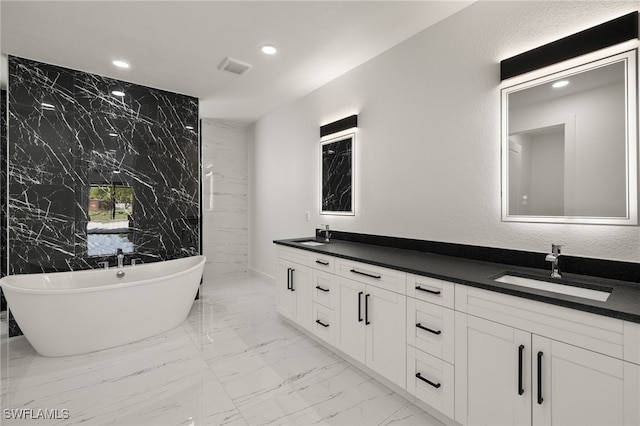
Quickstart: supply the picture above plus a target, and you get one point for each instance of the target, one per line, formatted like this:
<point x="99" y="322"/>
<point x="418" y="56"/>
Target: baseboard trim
<point x="269" y="279"/>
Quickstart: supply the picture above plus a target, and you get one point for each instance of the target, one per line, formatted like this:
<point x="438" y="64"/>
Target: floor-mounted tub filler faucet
<point x="553" y="258"/>
<point x="327" y="234"/>
<point x="120" y="257"/>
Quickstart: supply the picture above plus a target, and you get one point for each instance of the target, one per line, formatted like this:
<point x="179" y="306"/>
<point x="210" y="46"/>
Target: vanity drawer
<point x="323" y="325"/>
<point x="389" y="279"/>
<point x="431" y="290"/>
<point x="301" y="257"/>
<point x="439" y="393"/>
<point x="325" y="289"/>
<point x="430" y="328"/>
<point x="323" y="263"/>
<point x="594" y="332"/>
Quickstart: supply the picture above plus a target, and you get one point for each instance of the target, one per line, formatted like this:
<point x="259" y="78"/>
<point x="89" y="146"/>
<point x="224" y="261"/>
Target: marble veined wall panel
<point x="3" y="190"/>
<point x="224" y="198"/>
<point x="67" y="130"/>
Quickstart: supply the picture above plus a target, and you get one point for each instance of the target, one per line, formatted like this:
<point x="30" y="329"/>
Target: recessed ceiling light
<point x="113" y="135"/>
<point x="268" y="49"/>
<point x="120" y="64"/>
<point x="47" y="106"/>
<point x="559" y="84"/>
<point x="188" y="127"/>
<point x="117" y="93"/>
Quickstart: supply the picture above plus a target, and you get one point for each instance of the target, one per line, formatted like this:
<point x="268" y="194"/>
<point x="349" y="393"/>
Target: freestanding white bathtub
<point x="68" y="313"/>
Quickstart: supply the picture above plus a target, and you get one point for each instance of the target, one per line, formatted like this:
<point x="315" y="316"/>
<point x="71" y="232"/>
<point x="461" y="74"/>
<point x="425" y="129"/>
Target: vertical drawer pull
<point x="427" y="290"/>
<point x="366" y="309"/>
<point x="322" y="324"/>
<point x="292" y="271"/>
<point x="322" y="289"/>
<point x="422" y="327"/>
<point x="360" y="306"/>
<point x="435" y="385"/>
<point x="288" y="278"/>
<point x="520" y="360"/>
<point x="322" y="262"/>
<point x="540" y="399"/>
<point x="366" y="274"/>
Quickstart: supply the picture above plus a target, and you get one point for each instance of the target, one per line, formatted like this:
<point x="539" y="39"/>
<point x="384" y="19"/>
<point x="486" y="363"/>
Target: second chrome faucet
<point x="553" y="258"/>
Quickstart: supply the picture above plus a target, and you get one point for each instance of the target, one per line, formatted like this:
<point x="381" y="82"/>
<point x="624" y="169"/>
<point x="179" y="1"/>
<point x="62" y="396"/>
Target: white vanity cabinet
<point x="371" y="317"/>
<point x="477" y="356"/>
<point x="293" y="286"/>
<point x="524" y="362"/>
<point x="430" y="342"/>
<point x="324" y="290"/>
<point x="372" y="328"/>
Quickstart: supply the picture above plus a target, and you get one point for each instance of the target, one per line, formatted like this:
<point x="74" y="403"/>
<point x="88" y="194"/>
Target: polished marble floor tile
<point x="234" y="361"/>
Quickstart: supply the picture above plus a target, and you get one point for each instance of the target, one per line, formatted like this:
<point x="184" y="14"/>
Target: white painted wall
<point x="428" y="151"/>
<point x="224" y="198"/>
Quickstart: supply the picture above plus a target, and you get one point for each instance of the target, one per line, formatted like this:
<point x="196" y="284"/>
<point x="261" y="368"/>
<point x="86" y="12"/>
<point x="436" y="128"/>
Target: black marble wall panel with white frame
<point x="3" y="190"/>
<point x="337" y="175"/>
<point x="68" y="132"/>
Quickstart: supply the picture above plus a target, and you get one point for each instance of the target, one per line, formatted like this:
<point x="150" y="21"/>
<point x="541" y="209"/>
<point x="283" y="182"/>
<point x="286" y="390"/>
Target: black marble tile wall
<point x="68" y="131"/>
<point x="3" y="190"/>
<point x="337" y="162"/>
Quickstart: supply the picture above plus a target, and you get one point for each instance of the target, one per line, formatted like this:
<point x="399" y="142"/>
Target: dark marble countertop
<point x="623" y="303"/>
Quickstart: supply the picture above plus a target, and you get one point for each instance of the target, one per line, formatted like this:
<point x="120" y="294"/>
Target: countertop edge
<point x="537" y="296"/>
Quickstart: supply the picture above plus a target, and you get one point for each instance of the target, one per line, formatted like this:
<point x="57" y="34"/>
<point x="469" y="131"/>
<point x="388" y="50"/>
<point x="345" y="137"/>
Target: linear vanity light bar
<point x="340" y="125"/>
<point x="595" y="38"/>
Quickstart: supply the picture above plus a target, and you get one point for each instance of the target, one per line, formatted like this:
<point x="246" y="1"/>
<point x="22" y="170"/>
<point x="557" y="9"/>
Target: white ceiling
<point x="177" y="45"/>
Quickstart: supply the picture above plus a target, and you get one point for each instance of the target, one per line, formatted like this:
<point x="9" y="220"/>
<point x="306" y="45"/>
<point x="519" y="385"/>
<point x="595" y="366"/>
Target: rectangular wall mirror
<point x="569" y="145"/>
<point x="336" y="180"/>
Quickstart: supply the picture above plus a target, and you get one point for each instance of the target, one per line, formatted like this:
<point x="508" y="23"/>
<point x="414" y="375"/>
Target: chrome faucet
<point x="327" y="234"/>
<point x="553" y="258"/>
<point x="120" y="257"/>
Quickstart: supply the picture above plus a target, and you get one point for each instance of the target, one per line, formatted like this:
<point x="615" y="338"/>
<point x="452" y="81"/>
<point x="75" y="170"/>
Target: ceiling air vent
<point x="235" y="66"/>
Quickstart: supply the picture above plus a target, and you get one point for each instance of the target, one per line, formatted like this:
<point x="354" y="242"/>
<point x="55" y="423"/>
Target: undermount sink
<point x="311" y="243"/>
<point x="569" y="290"/>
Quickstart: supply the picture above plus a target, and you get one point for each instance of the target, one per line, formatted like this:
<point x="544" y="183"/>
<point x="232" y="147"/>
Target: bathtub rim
<point x="6" y="282"/>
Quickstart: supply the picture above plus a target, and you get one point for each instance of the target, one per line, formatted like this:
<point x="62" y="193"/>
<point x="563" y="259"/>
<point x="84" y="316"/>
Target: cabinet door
<point x="493" y="373"/>
<point x="581" y="387"/>
<point x="351" y="324"/>
<point x="283" y="288"/>
<point x="302" y="295"/>
<point x="385" y="318"/>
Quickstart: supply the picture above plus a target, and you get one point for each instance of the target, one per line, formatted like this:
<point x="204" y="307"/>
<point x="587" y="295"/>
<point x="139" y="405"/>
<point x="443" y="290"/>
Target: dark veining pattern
<point x="3" y="189"/>
<point x="67" y="130"/>
<point x="336" y="176"/>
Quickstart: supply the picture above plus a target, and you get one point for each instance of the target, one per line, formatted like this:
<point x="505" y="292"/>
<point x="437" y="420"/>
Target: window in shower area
<point x="110" y="224"/>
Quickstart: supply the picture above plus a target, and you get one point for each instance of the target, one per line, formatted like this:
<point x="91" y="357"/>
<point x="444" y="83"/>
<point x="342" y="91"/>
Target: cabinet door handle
<point x="322" y="289"/>
<point x="322" y="262"/>
<point x="360" y="306"/>
<point x="427" y="290"/>
<point x="366" y="309"/>
<point x="520" y="360"/>
<point x="292" y="271"/>
<point x="322" y="324"/>
<point x="288" y="278"/>
<point x="366" y="274"/>
<point x="435" y="385"/>
<point x="540" y="399"/>
<point x="422" y="327"/>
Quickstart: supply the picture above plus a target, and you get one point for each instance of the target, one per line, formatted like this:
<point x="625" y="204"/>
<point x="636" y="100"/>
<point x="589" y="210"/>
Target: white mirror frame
<point x="564" y="69"/>
<point x="337" y="137"/>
